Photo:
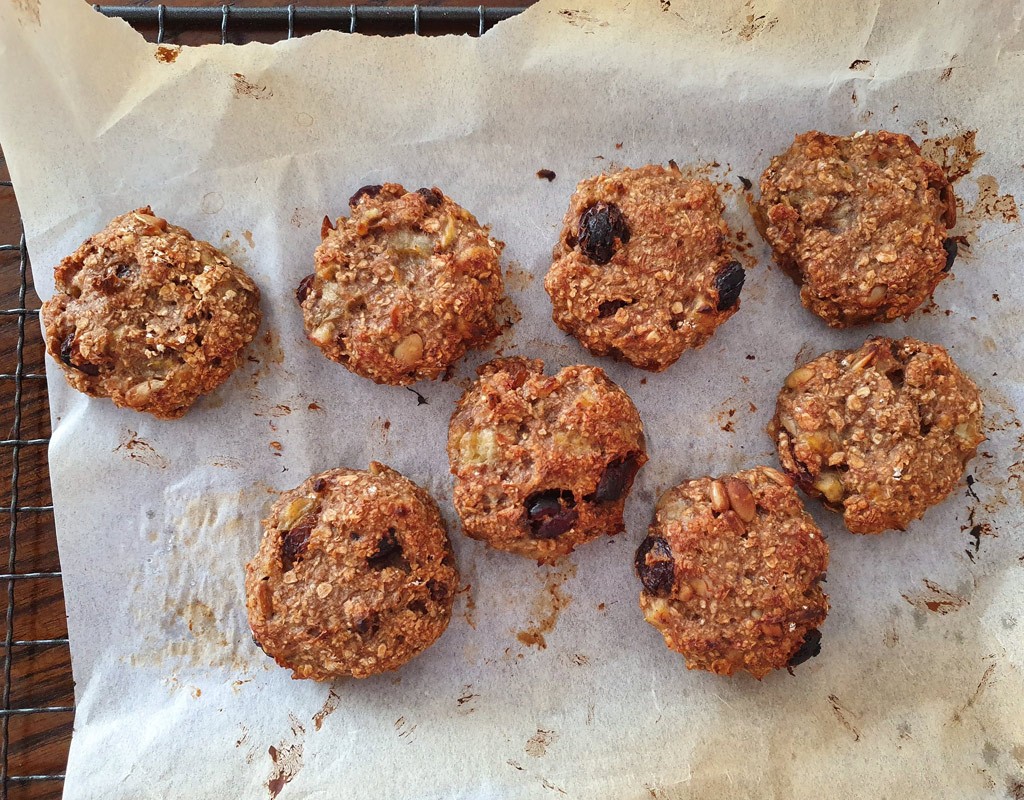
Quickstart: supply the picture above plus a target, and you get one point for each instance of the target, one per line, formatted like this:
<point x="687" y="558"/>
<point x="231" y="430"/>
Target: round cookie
<point x="860" y="223"/>
<point x="543" y="463"/>
<point x="643" y="269"/>
<point x="731" y="571"/>
<point x="354" y="576"/>
<point x="881" y="433"/>
<point x="146" y="315"/>
<point x="403" y="287"/>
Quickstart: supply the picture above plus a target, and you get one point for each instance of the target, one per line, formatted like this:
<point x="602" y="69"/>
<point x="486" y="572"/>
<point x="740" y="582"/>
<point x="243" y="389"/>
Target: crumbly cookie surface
<point x="860" y="223"/>
<point x="643" y="269"/>
<point x="881" y="433"/>
<point x="146" y="315"/>
<point x="403" y="287"/>
<point x="354" y="576"/>
<point x="731" y="571"/>
<point x="543" y="463"/>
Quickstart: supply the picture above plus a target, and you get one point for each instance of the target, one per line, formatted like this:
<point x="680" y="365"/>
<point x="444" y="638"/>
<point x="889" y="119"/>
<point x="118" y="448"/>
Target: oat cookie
<point x="543" y="463"/>
<point x="403" y="287"/>
<point x="882" y="433"/>
<point x="146" y="315"/>
<point x="860" y="223"/>
<point x="731" y="572"/>
<point x="354" y="576"/>
<point x="643" y="268"/>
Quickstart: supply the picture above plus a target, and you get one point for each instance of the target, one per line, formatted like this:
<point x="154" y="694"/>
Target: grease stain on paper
<point x="538" y="744"/>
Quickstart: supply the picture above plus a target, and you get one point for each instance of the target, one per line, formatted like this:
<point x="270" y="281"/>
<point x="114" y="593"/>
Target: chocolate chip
<point x="304" y="286"/>
<point x="433" y="197"/>
<point x="600" y="225"/>
<point x="295" y="542"/>
<point x="616" y="479"/>
<point x="389" y="553"/>
<point x="65" y="355"/>
<point x="609" y="308"/>
<point x="364" y="191"/>
<point x="949" y="245"/>
<point x="367" y="625"/>
<point x="728" y="284"/>
<point x="655" y="566"/>
<point x="551" y="513"/>
<point x="809" y="648"/>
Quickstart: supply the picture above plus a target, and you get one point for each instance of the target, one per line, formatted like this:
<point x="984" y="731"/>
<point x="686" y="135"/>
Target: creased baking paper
<point x="548" y="682"/>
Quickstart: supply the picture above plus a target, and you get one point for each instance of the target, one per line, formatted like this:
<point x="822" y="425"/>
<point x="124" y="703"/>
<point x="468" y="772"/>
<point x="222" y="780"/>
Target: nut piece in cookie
<point x="643" y="267"/>
<point x="880" y="434"/>
<point x="731" y="571"/>
<point x="403" y="287"/>
<point x="354" y="576"/>
<point x="860" y="223"/>
<point x="543" y="463"/>
<point x="146" y="315"/>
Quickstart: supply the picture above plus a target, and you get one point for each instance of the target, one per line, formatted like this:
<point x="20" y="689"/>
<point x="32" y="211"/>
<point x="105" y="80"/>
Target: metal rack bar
<point x="288" y="17"/>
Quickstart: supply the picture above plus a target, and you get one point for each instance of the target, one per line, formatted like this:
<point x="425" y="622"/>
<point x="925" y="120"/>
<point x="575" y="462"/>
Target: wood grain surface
<point x="40" y="675"/>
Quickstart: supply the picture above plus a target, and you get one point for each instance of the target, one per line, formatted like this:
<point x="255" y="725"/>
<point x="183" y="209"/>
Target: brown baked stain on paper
<point x="286" y="758"/>
<point x="167" y="53"/>
<point x="141" y="451"/>
<point x="547" y="605"/>
<point x="245" y="88"/>
<point x="936" y="599"/>
<point x="956" y="153"/>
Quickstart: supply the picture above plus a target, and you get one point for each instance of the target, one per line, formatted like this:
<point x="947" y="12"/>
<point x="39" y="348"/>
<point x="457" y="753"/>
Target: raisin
<point x="610" y="307"/>
<point x="546" y="175"/>
<point x="364" y="191"/>
<point x="655" y="566"/>
<point x="600" y="225"/>
<point x="295" y="542"/>
<point x="438" y="591"/>
<point x="304" y="286"/>
<point x="65" y="355"/>
<point x="616" y="479"/>
<point x="389" y="553"/>
<point x="433" y="197"/>
<point x="551" y="513"/>
<point x="746" y="182"/>
<point x="809" y="648"/>
<point x="728" y="284"/>
<point x="949" y="245"/>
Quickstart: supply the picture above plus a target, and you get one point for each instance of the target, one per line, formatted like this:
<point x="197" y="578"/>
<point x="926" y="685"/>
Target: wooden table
<point x="37" y="662"/>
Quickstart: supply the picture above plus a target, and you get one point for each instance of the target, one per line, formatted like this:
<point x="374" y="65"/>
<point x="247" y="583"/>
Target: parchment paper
<point x="548" y="682"/>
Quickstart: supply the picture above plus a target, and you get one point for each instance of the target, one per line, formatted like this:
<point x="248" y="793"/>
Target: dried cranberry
<point x="295" y="542"/>
<point x="600" y="225"/>
<point x="65" y="355"/>
<point x="433" y="197"/>
<point x="616" y="479"/>
<point x="809" y="648"/>
<point x="728" y="284"/>
<point x="655" y="566"/>
<point x="610" y="307"/>
<point x="304" y="286"/>
<point x="950" y="246"/>
<point x="364" y="191"/>
<point x="551" y="513"/>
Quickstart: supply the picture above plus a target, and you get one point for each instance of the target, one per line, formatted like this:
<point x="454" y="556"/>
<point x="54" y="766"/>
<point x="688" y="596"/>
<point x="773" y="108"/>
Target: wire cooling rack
<point x="37" y="695"/>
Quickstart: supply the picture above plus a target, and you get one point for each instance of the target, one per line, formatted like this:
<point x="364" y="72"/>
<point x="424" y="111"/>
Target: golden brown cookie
<point x="146" y="315"/>
<point x="403" y="287"/>
<point x="731" y="572"/>
<point x="355" y="575"/>
<point x="881" y="433"/>
<point x="543" y="463"/>
<point x="643" y="268"/>
<point x="860" y="223"/>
